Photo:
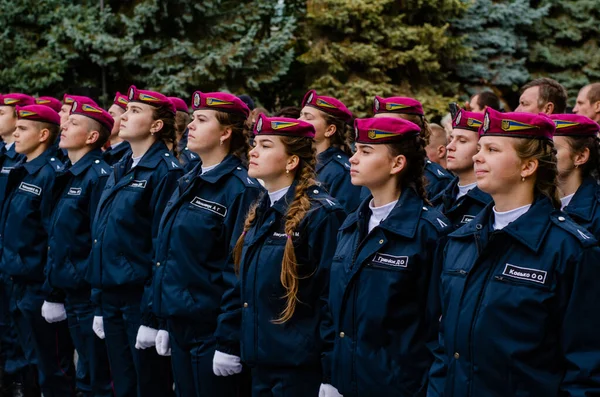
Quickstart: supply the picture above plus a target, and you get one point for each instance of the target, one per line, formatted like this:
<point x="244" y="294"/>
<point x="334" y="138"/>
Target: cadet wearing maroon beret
<point x="578" y="154"/>
<point x="331" y="119"/>
<point x="410" y="109"/>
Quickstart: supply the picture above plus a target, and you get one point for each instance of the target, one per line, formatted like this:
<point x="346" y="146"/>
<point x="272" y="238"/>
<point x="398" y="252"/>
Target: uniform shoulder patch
<point x="242" y="174"/>
<point x="342" y="160"/>
<point x="437" y="219"/>
<point x="436" y="170"/>
<point x="56" y="164"/>
<point x="171" y="161"/>
<point x="101" y="167"/>
<point x="320" y="195"/>
<point x="563" y="221"/>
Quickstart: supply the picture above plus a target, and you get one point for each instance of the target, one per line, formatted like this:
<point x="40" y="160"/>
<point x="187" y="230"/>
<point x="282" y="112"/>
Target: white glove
<point x="54" y="312"/>
<point x="226" y="364"/>
<point x="328" y="391"/>
<point x="145" y="337"/>
<point x="163" y="346"/>
<point x="98" y="326"/>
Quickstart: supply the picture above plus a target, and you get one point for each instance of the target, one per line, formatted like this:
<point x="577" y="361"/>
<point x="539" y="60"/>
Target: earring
<point x="287" y="171"/>
<point x="576" y="165"/>
<point x="522" y="179"/>
<point x="152" y="133"/>
<point x="221" y="142"/>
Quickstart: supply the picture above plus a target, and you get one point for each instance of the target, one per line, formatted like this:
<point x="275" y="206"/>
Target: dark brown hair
<point x="239" y="133"/>
<point x="182" y="119"/>
<point x="53" y="130"/>
<point x="489" y="99"/>
<point x="167" y="133"/>
<point x="421" y="121"/>
<point x="578" y="145"/>
<point x="550" y="91"/>
<point x="544" y="152"/>
<point x="103" y="132"/>
<point x="413" y="148"/>
<point x="297" y="210"/>
<point x="342" y="137"/>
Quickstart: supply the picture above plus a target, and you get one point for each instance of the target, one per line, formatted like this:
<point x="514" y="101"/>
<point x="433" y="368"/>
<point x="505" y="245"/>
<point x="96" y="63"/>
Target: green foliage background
<point x="275" y="50"/>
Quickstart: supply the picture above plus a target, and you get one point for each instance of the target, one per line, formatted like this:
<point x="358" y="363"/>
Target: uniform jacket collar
<point x="85" y="162"/>
<point x="326" y="156"/>
<point x="585" y="200"/>
<point x="153" y="156"/>
<point x="529" y="229"/>
<point x="49" y="156"/>
<point x="403" y="220"/>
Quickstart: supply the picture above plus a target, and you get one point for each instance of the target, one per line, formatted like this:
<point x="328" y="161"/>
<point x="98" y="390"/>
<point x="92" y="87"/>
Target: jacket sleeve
<point x="227" y="333"/>
<point x="162" y="193"/>
<point x="323" y="243"/>
<point x="437" y="373"/>
<point x="580" y="325"/>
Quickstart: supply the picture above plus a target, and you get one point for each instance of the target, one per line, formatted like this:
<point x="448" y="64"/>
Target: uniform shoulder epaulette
<point x="242" y="174"/>
<point x="320" y="195"/>
<point x="101" y="167"/>
<point x="563" y="221"/>
<point x="437" y="219"/>
<point x="56" y="164"/>
<point x="437" y="170"/>
<point x="343" y="161"/>
<point x="191" y="155"/>
<point x="171" y="161"/>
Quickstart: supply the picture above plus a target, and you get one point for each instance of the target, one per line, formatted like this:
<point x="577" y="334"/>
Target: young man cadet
<point x="118" y="147"/>
<point x="17" y="373"/>
<point x="23" y="228"/>
<point x="461" y="200"/>
<point x="75" y="196"/>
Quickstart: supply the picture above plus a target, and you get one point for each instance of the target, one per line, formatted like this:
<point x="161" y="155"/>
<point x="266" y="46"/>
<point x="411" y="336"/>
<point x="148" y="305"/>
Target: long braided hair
<point x="297" y="210"/>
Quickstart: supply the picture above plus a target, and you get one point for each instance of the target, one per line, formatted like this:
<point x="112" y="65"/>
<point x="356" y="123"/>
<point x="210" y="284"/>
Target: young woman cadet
<point x="461" y="200"/>
<point x="519" y="282"/>
<point x="330" y="118"/>
<point x="382" y="267"/>
<point x="578" y="156"/>
<point x="124" y="231"/>
<point x="410" y="109"/>
<point x="118" y="147"/>
<point x="200" y="226"/>
<point x="187" y="158"/>
<point x="284" y="255"/>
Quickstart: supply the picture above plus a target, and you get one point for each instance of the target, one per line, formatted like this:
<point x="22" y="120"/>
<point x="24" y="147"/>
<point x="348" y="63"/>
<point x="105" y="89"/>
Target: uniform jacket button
<point x="245" y="304"/>
<point x="157" y="264"/>
<point x="561" y="218"/>
<point x="342" y="334"/>
<point x="456" y="355"/>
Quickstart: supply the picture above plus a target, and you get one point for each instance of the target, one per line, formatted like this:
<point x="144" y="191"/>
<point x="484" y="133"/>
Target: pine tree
<point x="356" y="49"/>
<point x="496" y="32"/>
<point x="177" y="46"/>
<point x="565" y="44"/>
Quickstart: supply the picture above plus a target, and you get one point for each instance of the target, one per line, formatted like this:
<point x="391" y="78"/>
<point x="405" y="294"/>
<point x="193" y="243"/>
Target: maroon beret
<point x="151" y="98"/>
<point x="41" y="113"/>
<point x="517" y="125"/>
<point x="16" y="99"/>
<point x="283" y="126"/>
<point x="397" y="104"/>
<point x="220" y="101"/>
<point x="328" y="105"/>
<point x="384" y="130"/>
<point x="121" y="100"/>
<point x="68" y="99"/>
<point x="574" y="125"/>
<point x="52" y="103"/>
<point x="465" y="120"/>
<point x="95" y="113"/>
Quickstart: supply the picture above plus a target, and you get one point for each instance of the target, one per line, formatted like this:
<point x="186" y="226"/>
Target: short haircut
<point x="489" y="99"/>
<point x="550" y="91"/>
<point x="103" y="132"/>
<point x="292" y="112"/>
<point x="594" y="93"/>
<point x="52" y="128"/>
<point x="438" y="134"/>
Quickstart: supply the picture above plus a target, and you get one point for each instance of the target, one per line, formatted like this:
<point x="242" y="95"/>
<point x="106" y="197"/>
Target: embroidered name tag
<point x="74" y="191"/>
<point x="523" y="273"/>
<point x="283" y="235"/>
<point x="138" y="184"/>
<point x="6" y="170"/>
<point x="210" y="206"/>
<point x="467" y="218"/>
<point x="390" y="260"/>
<point x="26" y="187"/>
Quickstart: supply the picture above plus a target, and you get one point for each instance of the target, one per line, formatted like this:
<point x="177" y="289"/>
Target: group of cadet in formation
<point x="223" y="252"/>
